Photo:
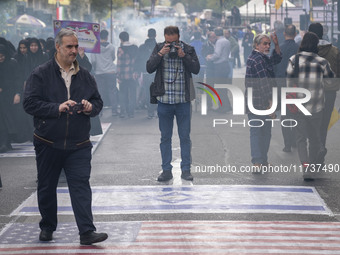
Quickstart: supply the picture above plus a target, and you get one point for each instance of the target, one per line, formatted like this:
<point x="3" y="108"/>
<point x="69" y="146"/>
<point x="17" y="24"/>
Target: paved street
<point x="225" y="210"/>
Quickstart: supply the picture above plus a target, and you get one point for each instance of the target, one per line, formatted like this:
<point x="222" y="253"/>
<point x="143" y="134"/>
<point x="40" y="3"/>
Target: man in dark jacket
<point x="174" y="62"/>
<point x="332" y="55"/>
<point x="62" y="97"/>
<point x="288" y="48"/>
<point x="127" y="74"/>
<point x="144" y="52"/>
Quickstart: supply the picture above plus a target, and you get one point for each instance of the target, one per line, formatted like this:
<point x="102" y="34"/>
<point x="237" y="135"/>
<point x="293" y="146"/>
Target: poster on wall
<point x="88" y="33"/>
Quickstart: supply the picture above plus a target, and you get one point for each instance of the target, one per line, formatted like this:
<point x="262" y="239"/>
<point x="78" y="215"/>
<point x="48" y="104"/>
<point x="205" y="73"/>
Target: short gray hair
<point x="64" y="32"/>
<point x="258" y="39"/>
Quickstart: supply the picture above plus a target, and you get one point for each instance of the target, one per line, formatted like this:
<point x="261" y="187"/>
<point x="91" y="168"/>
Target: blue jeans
<point x="166" y="114"/>
<point x="259" y="138"/>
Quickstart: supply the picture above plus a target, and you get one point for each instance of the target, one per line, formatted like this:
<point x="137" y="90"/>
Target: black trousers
<point x="77" y="166"/>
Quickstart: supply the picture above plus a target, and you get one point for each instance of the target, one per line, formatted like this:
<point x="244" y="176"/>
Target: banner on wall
<point x="88" y="33"/>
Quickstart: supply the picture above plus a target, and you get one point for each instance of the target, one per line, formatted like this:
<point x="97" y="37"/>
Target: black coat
<point x="45" y="91"/>
<point x="9" y="86"/>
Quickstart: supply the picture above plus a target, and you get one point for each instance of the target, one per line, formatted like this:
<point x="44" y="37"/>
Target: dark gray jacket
<point x="191" y="65"/>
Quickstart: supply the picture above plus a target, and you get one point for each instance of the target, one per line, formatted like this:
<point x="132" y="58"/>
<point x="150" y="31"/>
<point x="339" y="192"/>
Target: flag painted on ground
<point x="183" y="237"/>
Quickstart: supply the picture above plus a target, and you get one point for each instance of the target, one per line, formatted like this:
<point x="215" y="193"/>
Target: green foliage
<point x="7" y="9"/>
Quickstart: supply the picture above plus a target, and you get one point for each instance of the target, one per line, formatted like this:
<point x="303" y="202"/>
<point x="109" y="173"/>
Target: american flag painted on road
<point x="191" y="237"/>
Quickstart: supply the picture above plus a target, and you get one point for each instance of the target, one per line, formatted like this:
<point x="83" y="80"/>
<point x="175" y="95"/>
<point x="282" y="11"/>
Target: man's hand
<point x="180" y="51"/>
<point x="274" y="38"/>
<point x="276" y="43"/>
<point x="165" y="49"/>
<point x="64" y="107"/>
<point x="87" y="106"/>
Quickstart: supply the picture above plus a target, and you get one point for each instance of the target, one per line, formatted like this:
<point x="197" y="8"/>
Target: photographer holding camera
<point x="62" y="96"/>
<point x="174" y="61"/>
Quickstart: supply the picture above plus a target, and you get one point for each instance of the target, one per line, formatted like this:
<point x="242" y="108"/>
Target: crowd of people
<point x="62" y="95"/>
<point x="124" y="82"/>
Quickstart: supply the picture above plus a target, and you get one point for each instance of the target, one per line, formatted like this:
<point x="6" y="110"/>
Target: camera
<point x="173" y="50"/>
<point x="76" y="108"/>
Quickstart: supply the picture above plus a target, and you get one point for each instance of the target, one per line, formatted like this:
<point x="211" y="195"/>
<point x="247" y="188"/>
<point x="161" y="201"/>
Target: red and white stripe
<point x="210" y="237"/>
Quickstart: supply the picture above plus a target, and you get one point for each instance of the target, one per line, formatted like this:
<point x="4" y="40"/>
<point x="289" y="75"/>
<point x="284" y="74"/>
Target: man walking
<point x="222" y="69"/>
<point x="105" y="72"/>
<point x="62" y="97"/>
<point x="127" y="74"/>
<point x="174" y="62"/>
<point x="144" y="52"/>
<point x="332" y="55"/>
<point x="288" y="48"/>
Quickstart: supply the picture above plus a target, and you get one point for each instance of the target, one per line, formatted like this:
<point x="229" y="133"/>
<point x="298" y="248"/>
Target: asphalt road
<point x="129" y="155"/>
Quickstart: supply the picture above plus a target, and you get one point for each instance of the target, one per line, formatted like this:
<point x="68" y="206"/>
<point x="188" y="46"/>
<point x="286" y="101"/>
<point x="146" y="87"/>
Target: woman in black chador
<point x="9" y="95"/>
<point x="36" y="56"/>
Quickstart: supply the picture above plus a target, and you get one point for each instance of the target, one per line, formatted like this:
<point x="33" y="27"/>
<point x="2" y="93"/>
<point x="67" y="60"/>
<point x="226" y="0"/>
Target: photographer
<point x="61" y="136"/>
<point x="174" y="62"/>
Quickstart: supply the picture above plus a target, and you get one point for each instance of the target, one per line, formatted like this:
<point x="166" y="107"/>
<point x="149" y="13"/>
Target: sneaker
<point x="91" y="237"/>
<point x="186" y="175"/>
<point x="45" y="235"/>
<point x="165" y="176"/>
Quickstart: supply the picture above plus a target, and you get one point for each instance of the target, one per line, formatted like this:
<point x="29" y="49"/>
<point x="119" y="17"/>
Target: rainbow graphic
<point x="209" y="93"/>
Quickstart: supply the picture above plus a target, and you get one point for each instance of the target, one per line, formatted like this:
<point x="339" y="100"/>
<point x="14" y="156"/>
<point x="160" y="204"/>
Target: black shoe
<point x="45" y="235"/>
<point x="165" y="176"/>
<point x="286" y="149"/>
<point x="91" y="237"/>
<point x="186" y="175"/>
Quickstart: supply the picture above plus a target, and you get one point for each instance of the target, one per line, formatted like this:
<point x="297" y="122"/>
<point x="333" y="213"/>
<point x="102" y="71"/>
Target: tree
<point x="7" y="10"/>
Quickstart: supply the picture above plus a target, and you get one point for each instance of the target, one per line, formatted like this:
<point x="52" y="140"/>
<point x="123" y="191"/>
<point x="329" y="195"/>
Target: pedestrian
<point x="127" y="74"/>
<point x="247" y="43"/>
<point x="62" y="97"/>
<point x="332" y="55"/>
<point x="208" y="48"/>
<point x="288" y="48"/>
<point x="310" y="71"/>
<point x="174" y="62"/>
<point x="24" y="121"/>
<point x="234" y="49"/>
<point x="222" y="69"/>
<point x="105" y="72"/>
<point x="144" y="53"/>
<point x="260" y="77"/>
<point x="36" y="56"/>
<point x="9" y="96"/>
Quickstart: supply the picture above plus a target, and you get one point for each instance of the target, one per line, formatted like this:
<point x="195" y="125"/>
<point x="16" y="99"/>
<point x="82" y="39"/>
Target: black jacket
<point x="191" y="65"/>
<point x="45" y="91"/>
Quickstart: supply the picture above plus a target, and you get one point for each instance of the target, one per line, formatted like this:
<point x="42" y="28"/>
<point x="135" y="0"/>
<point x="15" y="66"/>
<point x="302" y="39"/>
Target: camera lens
<point x="173" y="50"/>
